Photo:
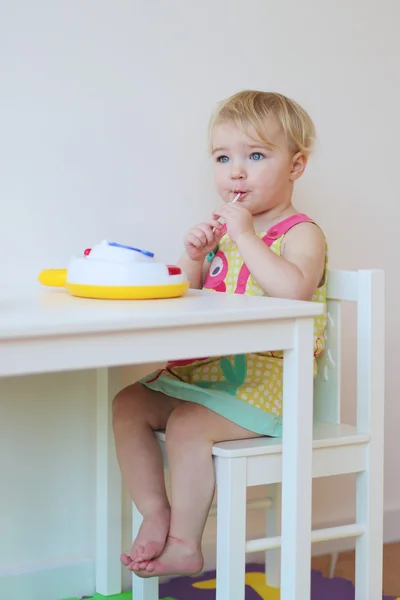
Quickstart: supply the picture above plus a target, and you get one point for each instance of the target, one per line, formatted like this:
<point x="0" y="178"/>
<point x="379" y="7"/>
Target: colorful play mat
<point x="203" y="588"/>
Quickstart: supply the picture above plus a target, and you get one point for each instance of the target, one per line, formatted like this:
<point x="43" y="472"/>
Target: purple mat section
<point x="322" y="588"/>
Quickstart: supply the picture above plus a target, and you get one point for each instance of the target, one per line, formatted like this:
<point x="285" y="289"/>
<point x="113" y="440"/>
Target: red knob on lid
<point x="87" y="251"/>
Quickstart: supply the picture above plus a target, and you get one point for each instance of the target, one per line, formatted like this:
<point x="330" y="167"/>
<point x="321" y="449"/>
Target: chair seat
<point x="326" y="435"/>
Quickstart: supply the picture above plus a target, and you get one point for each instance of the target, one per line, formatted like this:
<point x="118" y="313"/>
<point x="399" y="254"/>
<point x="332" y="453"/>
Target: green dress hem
<point x="241" y="413"/>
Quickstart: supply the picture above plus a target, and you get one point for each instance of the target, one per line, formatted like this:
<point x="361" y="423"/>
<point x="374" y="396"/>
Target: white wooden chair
<point x="337" y="449"/>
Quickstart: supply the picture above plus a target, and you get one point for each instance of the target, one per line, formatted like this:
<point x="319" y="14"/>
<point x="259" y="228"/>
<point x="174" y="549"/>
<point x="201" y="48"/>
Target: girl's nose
<point x="238" y="171"/>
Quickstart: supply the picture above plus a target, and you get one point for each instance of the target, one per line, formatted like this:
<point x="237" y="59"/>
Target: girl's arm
<point x="199" y="241"/>
<point x="193" y="270"/>
<point x="297" y="272"/>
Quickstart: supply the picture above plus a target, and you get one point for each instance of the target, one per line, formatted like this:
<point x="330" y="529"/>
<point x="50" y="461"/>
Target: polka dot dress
<point x="247" y="389"/>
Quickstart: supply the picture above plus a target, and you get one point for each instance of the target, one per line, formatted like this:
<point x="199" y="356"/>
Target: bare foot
<point x="150" y="541"/>
<point x="179" y="557"/>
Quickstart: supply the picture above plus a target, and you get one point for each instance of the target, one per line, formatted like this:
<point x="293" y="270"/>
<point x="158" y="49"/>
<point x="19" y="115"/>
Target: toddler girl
<point x="260" y="143"/>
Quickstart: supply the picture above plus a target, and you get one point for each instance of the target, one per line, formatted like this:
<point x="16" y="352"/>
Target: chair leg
<point x="142" y="589"/>
<point x="231" y="528"/>
<point x="332" y="566"/>
<point x="273" y="557"/>
<point x="369" y="550"/>
<point x="370" y="417"/>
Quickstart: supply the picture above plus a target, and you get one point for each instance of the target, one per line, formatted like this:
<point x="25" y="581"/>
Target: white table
<point x="45" y="331"/>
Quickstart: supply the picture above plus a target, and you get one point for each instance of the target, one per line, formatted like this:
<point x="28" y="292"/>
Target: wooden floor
<point x="345" y="567"/>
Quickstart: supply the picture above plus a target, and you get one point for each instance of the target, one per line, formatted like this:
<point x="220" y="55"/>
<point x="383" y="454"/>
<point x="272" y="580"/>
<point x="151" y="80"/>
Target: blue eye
<point x="257" y="156"/>
<point x="222" y="159"/>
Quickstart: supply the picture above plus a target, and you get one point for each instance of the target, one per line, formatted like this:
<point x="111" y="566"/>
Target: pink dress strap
<point x="278" y="230"/>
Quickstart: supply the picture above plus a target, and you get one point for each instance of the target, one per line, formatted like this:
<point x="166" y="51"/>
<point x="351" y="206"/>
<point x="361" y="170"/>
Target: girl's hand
<point x="238" y="219"/>
<point x="202" y="239"/>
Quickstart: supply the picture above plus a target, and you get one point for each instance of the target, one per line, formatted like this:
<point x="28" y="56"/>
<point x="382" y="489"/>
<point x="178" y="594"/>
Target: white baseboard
<point x="77" y="579"/>
<point x="49" y="582"/>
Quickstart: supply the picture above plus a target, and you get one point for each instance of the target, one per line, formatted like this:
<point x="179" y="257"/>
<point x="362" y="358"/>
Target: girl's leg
<point x="137" y="413"/>
<point x="191" y="432"/>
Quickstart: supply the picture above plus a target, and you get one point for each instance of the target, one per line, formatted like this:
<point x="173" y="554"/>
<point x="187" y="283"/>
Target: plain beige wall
<point x="103" y="120"/>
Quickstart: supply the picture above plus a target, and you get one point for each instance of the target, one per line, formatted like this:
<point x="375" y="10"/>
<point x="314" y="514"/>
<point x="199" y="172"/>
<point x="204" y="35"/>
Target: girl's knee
<point x="127" y="401"/>
<point x="139" y="405"/>
<point x="189" y="421"/>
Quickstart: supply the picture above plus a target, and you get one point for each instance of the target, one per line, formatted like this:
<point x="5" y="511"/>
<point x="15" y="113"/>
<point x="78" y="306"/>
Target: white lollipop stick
<point x="236" y="198"/>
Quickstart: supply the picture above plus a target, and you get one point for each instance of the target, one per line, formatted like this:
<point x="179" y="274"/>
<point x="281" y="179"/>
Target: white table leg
<point x="108" y="505"/>
<point x="297" y="464"/>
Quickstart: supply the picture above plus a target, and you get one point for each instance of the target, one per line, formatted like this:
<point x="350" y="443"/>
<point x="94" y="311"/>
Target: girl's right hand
<point x="202" y="239"/>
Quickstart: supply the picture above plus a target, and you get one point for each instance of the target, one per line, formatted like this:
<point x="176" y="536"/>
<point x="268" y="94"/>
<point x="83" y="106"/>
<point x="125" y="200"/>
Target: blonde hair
<point x="255" y="108"/>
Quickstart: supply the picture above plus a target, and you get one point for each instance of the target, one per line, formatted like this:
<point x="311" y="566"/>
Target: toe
<point x="125" y="559"/>
<point x="150" y="567"/>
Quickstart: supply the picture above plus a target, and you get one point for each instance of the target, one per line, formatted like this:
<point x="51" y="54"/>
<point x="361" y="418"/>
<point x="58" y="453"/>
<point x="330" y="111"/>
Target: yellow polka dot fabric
<point x="239" y="387"/>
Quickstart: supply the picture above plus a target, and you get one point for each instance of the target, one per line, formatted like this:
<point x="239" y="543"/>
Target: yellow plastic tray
<point x="58" y="278"/>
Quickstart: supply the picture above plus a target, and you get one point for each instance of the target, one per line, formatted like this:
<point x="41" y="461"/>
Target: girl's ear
<point x="298" y="166"/>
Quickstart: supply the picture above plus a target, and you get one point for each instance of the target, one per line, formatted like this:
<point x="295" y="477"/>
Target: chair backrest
<point x="366" y="288"/>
